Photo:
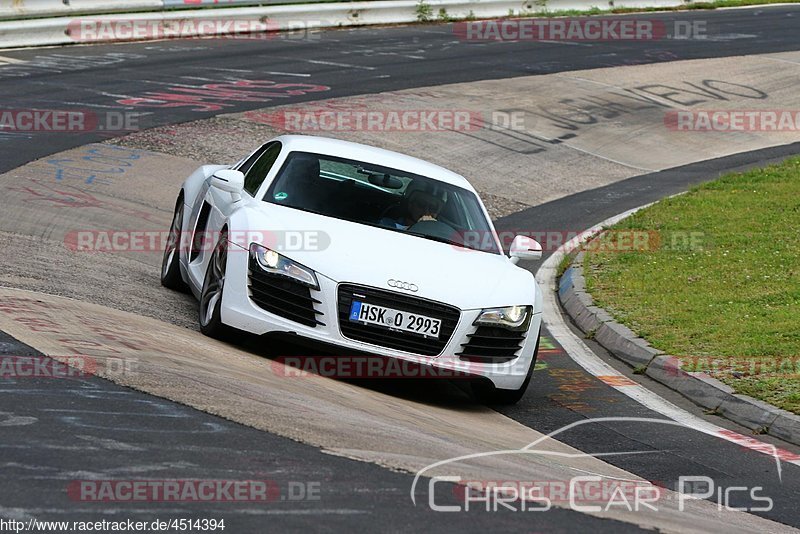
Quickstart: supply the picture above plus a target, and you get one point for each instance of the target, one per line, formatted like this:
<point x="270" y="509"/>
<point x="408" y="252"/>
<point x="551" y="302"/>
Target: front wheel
<point x="211" y="294"/>
<point x="170" y="264"/>
<point x="488" y="394"/>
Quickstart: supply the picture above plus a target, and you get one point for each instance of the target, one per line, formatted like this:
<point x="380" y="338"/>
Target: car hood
<point x="362" y="254"/>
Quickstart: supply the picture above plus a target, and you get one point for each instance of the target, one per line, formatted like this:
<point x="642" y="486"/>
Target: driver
<point x="422" y="202"/>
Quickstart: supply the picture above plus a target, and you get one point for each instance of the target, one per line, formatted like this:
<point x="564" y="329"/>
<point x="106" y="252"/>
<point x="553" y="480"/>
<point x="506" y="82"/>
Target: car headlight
<point x="511" y="317"/>
<point x="275" y="263"/>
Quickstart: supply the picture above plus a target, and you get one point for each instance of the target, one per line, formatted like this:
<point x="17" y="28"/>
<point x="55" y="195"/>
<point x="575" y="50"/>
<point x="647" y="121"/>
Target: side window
<point x="258" y="166"/>
<point x="244" y="167"/>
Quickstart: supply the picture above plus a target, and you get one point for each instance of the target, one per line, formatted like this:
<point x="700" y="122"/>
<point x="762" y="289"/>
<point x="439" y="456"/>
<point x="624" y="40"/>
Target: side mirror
<point x="525" y="248"/>
<point x="230" y="181"/>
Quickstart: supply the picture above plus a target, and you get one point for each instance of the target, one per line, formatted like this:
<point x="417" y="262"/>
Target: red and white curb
<point x="586" y="358"/>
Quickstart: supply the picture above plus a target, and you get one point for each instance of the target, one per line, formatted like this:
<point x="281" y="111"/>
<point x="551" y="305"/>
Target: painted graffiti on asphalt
<point x="64" y="63"/>
<point x="575" y="113"/>
<point x="535" y="131"/>
<point x="216" y="96"/>
<point x="60" y="181"/>
<point x="63" y="196"/>
<point x="99" y="164"/>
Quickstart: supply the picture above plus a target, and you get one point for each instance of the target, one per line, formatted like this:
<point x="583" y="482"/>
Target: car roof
<point x="370" y="154"/>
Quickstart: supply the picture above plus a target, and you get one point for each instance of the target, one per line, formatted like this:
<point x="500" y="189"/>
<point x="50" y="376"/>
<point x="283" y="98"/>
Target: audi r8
<point x="362" y="249"/>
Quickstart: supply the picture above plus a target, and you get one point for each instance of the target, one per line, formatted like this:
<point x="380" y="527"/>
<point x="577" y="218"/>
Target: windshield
<point x="370" y="194"/>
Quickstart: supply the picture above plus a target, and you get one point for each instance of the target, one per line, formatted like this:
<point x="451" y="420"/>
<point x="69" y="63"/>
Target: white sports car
<point x="362" y="250"/>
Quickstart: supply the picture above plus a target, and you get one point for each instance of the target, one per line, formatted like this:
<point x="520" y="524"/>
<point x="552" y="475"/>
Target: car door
<point x="216" y="207"/>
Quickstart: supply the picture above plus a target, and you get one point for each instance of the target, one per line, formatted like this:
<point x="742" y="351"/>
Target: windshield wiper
<point x="439" y="239"/>
<point x="447" y="241"/>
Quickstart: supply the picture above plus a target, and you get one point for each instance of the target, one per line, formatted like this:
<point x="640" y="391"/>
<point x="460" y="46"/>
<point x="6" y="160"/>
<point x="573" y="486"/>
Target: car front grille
<point x="282" y="296"/>
<point x="489" y="344"/>
<point x="393" y="339"/>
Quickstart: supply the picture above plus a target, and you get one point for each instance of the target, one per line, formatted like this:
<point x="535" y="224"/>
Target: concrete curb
<point x="700" y="388"/>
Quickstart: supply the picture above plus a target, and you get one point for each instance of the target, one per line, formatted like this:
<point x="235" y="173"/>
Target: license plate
<point x="361" y="312"/>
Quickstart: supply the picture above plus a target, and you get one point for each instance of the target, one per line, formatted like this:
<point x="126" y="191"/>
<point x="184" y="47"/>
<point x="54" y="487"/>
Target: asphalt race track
<point x="379" y="60"/>
<point x="56" y="432"/>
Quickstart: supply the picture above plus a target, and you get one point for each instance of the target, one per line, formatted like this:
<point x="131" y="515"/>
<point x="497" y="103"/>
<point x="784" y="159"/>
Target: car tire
<point x="488" y="394"/>
<point x="170" y="264"/>
<point x="211" y="295"/>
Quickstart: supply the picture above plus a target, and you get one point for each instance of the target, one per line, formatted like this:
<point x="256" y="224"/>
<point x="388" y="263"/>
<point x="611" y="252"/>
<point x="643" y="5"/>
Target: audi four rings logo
<point x="403" y="285"/>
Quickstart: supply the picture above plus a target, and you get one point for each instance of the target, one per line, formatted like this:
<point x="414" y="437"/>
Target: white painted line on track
<point x="782" y="60"/>
<point x="586" y="358"/>
<point x="568" y="43"/>
<point x="242" y="71"/>
<point x="612" y="160"/>
<point x="10" y="61"/>
<point x="335" y="64"/>
<point x="279" y="73"/>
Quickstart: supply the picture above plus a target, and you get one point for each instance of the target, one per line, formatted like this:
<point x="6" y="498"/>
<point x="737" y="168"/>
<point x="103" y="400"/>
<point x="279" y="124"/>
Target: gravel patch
<point x="227" y="138"/>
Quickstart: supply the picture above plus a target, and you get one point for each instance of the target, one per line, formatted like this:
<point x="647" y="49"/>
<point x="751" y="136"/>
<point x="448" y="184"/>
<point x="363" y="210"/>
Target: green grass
<point x="564" y="264"/>
<point x="728" y="302"/>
